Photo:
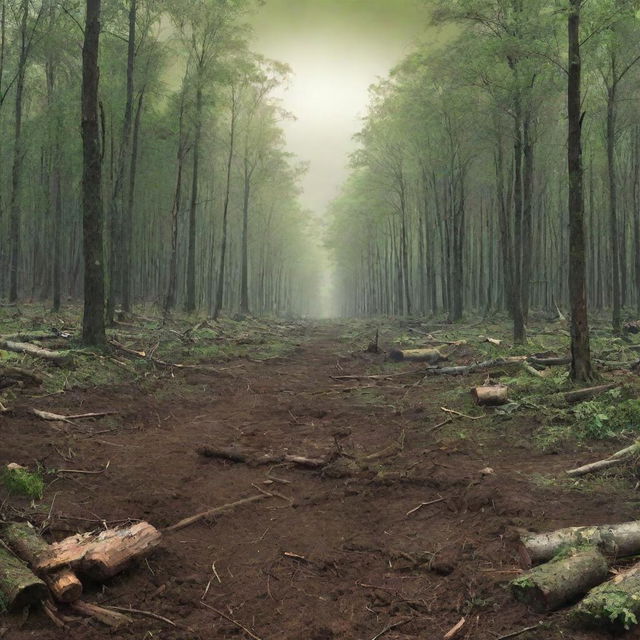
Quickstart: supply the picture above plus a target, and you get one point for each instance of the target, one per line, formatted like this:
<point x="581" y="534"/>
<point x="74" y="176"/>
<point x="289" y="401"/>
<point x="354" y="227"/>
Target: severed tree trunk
<point x="19" y="586"/>
<point x="493" y="396"/>
<point x="432" y="356"/>
<point x="27" y="543"/>
<point x="93" y="325"/>
<point x="613" y="540"/>
<point x="561" y="581"/>
<point x="59" y="358"/>
<point x="581" y="369"/>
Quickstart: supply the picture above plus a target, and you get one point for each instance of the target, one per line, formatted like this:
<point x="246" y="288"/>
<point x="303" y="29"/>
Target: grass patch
<point x="23" y="482"/>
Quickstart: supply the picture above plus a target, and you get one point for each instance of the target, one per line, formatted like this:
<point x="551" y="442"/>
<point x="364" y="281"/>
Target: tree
<point x="93" y="327"/>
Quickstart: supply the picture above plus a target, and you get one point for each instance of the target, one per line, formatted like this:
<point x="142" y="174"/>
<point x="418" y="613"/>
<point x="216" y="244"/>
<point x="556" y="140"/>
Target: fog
<point x="336" y="49"/>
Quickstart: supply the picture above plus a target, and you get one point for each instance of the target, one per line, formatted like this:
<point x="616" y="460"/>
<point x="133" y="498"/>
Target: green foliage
<point x="24" y="482"/>
<point x="619" y="607"/>
<point x="607" y="418"/>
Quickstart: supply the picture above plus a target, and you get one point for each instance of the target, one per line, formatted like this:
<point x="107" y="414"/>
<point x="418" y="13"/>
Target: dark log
<point x="614" y="605"/>
<point x="550" y="362"/>
<point x="12" y="376"/>
<point x="617" y="540"/>
<point x="478" y="366"/>
<point x="492" y="396"/>
<point x="561" y="581"/>
<point x="101" y="555"/>
<point x="29" y="545"/>
<point x="245" y="457"/>
<point x="19" y="586"/>
<point x="586" y="394"/>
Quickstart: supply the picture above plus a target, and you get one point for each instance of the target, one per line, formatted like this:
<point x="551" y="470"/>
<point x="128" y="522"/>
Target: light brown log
<point x="492" y="396"/>
<point x="561" y="581"/>
<point x="108" y="617"/>
<point x="19" y="586"/>
<point x="586" y="394"/>
<point x="432" y="356"/>
<point x="29" y="545"/>
<point x="102" y="555"/>
<point x="614" y="605"/>
<point x="59" y="358"/>
<point x="617" y="540"/>
<point x="620" y="457"/>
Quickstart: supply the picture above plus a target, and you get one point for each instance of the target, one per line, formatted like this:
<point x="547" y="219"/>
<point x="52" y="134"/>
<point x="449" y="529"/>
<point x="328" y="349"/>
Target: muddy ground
<point x="336" y="555"/>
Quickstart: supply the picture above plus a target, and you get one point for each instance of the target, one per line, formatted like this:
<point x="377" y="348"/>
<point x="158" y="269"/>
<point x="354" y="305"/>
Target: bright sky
<point x="337" y="49"/>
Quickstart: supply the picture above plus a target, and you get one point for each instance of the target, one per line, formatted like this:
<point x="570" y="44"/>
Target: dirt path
<point x="341" y="559"/>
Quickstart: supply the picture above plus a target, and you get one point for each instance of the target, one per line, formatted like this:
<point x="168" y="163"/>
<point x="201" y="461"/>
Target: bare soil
<point x="336" y="558"/>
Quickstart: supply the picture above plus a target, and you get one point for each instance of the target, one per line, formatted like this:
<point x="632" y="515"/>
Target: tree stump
<point x="492" y="396"/>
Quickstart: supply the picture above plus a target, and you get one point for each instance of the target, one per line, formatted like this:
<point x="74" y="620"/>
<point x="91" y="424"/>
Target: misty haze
<point x="319" y="319"/>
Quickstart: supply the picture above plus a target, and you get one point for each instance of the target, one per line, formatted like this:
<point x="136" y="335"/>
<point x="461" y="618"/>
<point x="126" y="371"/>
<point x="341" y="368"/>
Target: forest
<point x="251" y="388"/>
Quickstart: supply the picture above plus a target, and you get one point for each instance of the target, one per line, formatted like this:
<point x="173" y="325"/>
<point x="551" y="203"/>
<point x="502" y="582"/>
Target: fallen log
<point x="27" y="543"/>
<point x="614" y="605"/>
<point x="102" y="555"/>
<point x="19" y="586"/>
<point x="432" y="356"/>
<point x="561" y="581"/>
<point x="13" y="376"/>
<point x="490" y="396"/>
<point x="550" y="362"/>
<point x="59" y="358"/>
<point x="478" y="366"/>
<point x="586" y="394"/>
<point x="620" y="457"/>
<point x="617" y="540"/>
<point x="108" y="617"/>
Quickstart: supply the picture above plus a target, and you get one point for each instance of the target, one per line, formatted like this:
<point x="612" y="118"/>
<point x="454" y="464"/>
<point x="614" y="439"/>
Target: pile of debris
<point x="33" y="571"/>
<point x="574" y="564"/>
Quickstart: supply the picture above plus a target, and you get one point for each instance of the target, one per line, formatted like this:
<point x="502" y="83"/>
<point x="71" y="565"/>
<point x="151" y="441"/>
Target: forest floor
<point x="339" y="553"/>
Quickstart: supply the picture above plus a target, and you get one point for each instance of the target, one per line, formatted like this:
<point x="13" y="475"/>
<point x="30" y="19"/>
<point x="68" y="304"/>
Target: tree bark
<point x="19" y="586"/>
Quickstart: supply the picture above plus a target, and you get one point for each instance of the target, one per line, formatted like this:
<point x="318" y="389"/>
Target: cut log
<point x="586" y="394"/>
<point x="561" y="581"/>
<point x="102" y="555"/>
<point x="620" y="457"/>
<point x="478" y="366"/>
<point x="29" y="545"/>
<point x="432" y="356"/>
<point x="13" y="376"/>
<point x="110" y="618"/>
<point x="19" y="586"/>
<point x="617" y="540"/>
<point x="492" y="396"/>
<point x="59" y="358"/>
<point x="614" y="605"/>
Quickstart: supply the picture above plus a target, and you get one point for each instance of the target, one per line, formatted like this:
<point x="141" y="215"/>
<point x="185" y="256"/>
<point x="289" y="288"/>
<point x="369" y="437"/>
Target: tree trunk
<point x="19" y="586"/>
<point x="244" y="278"/>
<point x="18" y="157"/>
<point x="93" y="329"/>
<point x="190" y="305"/>
<point x="581" y="370"/>
<point x="561" y="581"/>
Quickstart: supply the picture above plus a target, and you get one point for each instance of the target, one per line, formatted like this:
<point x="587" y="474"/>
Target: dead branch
<point x="617" y="458"/>
<point x="244" y="457"/>
<point x="231" y="620"/>
<point x="214" y="512"/>
<point x="109" y="618"/>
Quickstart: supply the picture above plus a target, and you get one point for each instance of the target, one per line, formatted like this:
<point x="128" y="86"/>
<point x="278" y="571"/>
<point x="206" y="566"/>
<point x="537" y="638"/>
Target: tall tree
<point x="93" y="327"/>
